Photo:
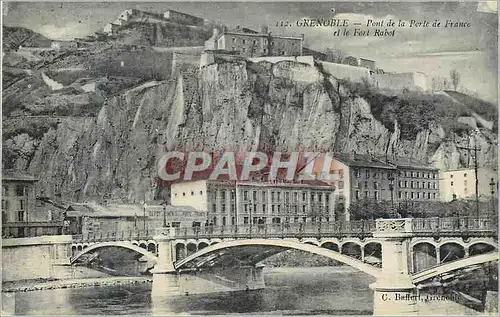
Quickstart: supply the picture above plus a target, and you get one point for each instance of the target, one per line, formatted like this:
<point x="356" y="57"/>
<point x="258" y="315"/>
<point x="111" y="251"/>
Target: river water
<point x="289" y="291"/>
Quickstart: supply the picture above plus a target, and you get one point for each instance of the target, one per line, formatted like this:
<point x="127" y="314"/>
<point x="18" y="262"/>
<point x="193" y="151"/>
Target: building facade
<point x="22" y="214"/>
<point x="358" y="177"/>
<point x="183" y="18"/>
<point x="359" y="62"/>
<point x="239" y="203"/>
<point x="250" y="43"/>
<point x="461" y="183"/>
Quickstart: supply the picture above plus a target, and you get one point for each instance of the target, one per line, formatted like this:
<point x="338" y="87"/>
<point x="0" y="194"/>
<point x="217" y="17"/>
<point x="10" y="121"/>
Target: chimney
<point x="264" y="29"/>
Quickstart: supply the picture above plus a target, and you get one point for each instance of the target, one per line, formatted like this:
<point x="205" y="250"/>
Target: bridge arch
<point x="480" y="247"/>
<point x="352" y="249"/>
<point x="451" y="251"/>
<point x="214" y="250"/>
<point x="330" y="246"/>
<point x="311" y="241"/>
<point x="121" y="244"/>
<point x="453" y="265"/>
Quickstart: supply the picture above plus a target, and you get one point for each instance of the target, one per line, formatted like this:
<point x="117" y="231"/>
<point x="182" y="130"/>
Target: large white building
<point x="235" y="203"/>
<point x="461" y="183"/>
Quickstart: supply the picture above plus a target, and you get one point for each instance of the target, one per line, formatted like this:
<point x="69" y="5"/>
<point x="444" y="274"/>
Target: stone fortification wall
<point x="352" y="73"/>
<point x="400" y="81"/>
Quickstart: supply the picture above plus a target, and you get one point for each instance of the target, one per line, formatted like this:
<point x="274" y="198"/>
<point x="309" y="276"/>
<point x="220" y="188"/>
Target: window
<point x="192" y="193"/>
<point x="234" y="40"/>
<point x="233" y="48"/>
<point x="245" y="207"/>
<point x="245" y="195"/>
<point x="272" y="208"/>
<point x="412" y="184"/>
<point x="400" y="195"/>
<point x="243" y="49"/>
<point x="304" y="209"/>
<point x="429" y="185"/>
<point x="412" y="195"/>
<point x="223" y="207"/>
<point x="357" y="194"/>
<point x="418" y="195"/>
<point x="223" y="221"/>
<point x="406" y="195"/>
<point x="21" y="204"/>
<point x="20" y="190"/>
<point x="434" y="185"/>
<point x="434" y="195"/>
<point x="465" y="190"/>
<point x="341" y="185"/>
<point x="223" y="195"/>
<point x="434" y="175"/>
<point x="376" y="195"/>
<point x="279" y="196"/>
<point x="4" y="190"/>
<point x="272" y="43"/>
<point x="452" y="184"/>
<point x="304" y="196"/>
<point x="254" y="195"/>
<point x="375" y="185"/>
<point x="295" y="196"/>
<point x="327" y="198"/>
<point x="320" y="197"/>
<point x="20" y="215"/>
<point x="184" y="194"/>
<point x="367" y="194"/>
<point x="406" y="184"/>
<point x="341" y="174"/>
<point x="245" y="220"/>
<point x="243" y="41"/>
<point x="366" y="184"/>
<point x="428" y="195"/>
<point x="233" y="194"/>
<point x="214" y="207"/>
<point x="201" y="192"/>
<point x="375" y="174"/>
<point x="264" y="208"/>
<point x="465" y="174"/>
<point x="272" y="196"/>
<point x="357" y="173"/>
<point x="400" y="184"/>
<point x="5" y="204"/>
<point x="279" y="208"/>
<point x="418" y="174"/>
<point x="367" y="174"/>
<point x="312" y="196"/>
<point x="264" y="195"/>
<point x="254" y="41"/>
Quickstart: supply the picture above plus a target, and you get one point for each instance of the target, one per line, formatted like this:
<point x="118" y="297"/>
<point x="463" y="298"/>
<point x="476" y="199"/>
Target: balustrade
<point x="362" y="228"/>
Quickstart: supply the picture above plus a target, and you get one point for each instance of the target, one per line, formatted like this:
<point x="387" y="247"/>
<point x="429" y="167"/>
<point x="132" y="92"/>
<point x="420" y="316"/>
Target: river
<point x="289" y="291"/>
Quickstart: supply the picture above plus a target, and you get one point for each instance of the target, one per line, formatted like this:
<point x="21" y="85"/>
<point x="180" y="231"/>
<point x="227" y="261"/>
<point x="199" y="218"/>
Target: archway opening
<point x="152" y="247"/>
<point x="480" y="248"/>
<point x="190" y="248"/>
<point x="202" y="245"/>
<point x="424" y="256"/>
<point x="352" y="249"/>
<point x="73" y="250"/>
<point x="143" y="245"/>
<point x="180" y="251"/>
<point x="311" y="243"/>
<point x="214" y="242"/>
<point x="79" y="248"/>
<point x="330" y="246"/>
<point x="451" y="251"/>
<point x="373" y="253"/>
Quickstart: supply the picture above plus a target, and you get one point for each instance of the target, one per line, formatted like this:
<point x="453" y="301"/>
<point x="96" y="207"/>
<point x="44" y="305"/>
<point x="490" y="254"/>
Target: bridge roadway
<point x="433" y="241"/>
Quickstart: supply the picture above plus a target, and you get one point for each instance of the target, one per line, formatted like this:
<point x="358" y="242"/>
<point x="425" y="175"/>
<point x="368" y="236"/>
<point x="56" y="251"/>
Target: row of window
<point x="416" y="174"/>
<point x="277" y="196"/>
<point x="6" y="204"/>
<point x="20" y="216"/>
<point x="244" y="41"/>
<point x="192" y="193"/>
<point x="263" y="208"/>
<point x="413" y="184"/>
<point x="274" y="220"/>
<point x="370" y="173"/>
<point x="451" y="175"/>
<point x="20" y="190"/>
<point x="401" y="195"/>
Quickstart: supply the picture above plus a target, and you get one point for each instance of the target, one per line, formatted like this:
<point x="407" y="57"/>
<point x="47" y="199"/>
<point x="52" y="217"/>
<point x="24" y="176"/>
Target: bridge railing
<point x="455" y="225"/>
<point x="280" y="230"/>
<point x="114" y="236"/>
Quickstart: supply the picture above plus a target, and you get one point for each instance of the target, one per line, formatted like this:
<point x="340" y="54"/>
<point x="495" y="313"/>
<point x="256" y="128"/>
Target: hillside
<point x="238" y="105"/>
<point x="13" y="37"/>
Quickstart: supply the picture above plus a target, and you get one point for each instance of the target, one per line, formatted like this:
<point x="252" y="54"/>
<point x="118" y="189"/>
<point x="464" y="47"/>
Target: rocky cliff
<point x="235" y="105"/>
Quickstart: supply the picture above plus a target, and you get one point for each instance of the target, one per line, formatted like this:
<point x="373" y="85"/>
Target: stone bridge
<point x="399" y="253"/>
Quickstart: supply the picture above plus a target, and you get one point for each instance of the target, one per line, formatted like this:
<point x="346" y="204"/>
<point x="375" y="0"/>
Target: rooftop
<point x="17" y="176"/>
<point x="115" y="210"/>
<point x="362" y="160"/>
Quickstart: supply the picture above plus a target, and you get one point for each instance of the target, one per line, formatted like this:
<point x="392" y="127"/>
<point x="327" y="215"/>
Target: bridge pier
<point x="394" y="292"/>
<point x="165" y="277"/>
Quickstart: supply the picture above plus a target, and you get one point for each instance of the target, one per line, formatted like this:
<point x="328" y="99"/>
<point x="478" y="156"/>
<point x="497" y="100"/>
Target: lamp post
<point x="391" y="188"/>
<point x="492" y="188"/>
<point x="164" y="216"/>
<point x="144" y="215"/>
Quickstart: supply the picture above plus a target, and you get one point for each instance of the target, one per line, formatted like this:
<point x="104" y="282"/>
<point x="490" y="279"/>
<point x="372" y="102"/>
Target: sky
<point x="473" y="51"/>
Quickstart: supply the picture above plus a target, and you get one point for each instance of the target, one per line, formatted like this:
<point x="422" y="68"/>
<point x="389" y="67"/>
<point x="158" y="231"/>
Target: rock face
<point x="238" y="106"/>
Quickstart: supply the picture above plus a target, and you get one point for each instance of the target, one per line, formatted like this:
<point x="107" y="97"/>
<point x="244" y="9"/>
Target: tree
<point x="334" y="56"/>
<point x="455" y="78"/>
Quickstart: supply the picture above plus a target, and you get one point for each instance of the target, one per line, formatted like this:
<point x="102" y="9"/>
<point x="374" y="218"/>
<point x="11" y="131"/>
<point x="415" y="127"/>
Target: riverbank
<point x="37" y="285"/>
